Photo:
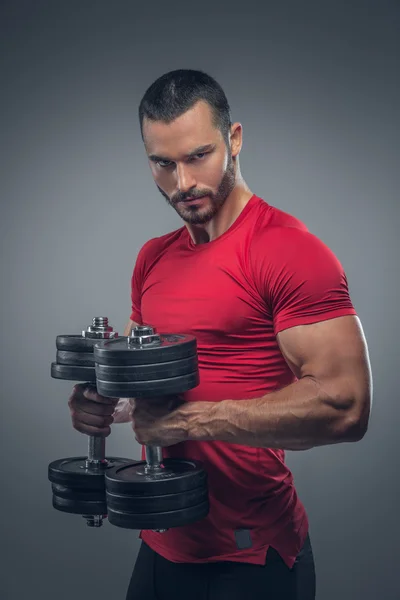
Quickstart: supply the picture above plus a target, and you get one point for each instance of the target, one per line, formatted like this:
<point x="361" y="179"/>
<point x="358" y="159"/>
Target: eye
<point x="164" y="163"/>
<point x="199" y="156"/>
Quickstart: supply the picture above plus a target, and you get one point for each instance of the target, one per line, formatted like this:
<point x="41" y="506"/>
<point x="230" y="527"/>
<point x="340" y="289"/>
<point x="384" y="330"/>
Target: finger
<point x="83" y="392"/>
<point x="91" y="408"/>
<point x="79" y="388"/>
<point x="77" y="391"/>
<point x="91" y="394"/>
<point x="79" y="416"/>
<point x="89" y="430"/>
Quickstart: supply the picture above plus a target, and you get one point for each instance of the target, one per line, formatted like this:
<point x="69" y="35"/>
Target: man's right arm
<point x="122" y="412"/>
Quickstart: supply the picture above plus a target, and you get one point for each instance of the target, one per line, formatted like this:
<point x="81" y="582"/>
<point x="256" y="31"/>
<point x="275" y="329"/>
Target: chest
<point x="209" y="296"/>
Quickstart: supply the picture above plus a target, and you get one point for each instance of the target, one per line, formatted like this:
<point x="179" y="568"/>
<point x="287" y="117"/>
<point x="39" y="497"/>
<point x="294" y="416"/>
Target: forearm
<point x="301" y="416"/>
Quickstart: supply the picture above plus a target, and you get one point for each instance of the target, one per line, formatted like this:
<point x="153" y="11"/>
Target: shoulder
<point x="155" y="247"/>
<point x="266" y="215"/>
<point x="279" y="234"/>
<point x="293" y="251"/>
<point x="273" y="217"/>
<point x="282" y="242"/>
<point x="274" y="226"/>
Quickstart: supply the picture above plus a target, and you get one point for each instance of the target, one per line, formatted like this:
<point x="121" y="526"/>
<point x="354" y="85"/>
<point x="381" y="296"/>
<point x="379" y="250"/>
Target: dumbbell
<point x="156" y="493"/>
<point x="78" y="482"/>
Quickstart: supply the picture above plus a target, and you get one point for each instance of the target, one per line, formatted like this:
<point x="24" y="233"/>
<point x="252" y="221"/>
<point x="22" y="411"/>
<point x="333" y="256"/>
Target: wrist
<point x="122" y="411"/>
<point x="200" y="419"/>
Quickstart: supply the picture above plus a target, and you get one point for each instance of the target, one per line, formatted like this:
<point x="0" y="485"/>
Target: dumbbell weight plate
<point x="70" y="493"/>
<point x="161" y="520"/>
<point x="164" y="370"/>
<point x="152" y="388"/>
<point x="73" y="473"/>
<point x="76" y="343"/>
<point x="79" y="501"/>
<point x="73" y="372"/>
<point x="177" y="476"/>
<point x="154" y="504"/>
<point x="82" y="359"/>
<point x="80" y="507"/>
<point x="120" y="352"/>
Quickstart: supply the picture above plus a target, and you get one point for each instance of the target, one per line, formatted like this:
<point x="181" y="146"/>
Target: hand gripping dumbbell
<point x="78" y="483"/>
<point x="156" y="493"/>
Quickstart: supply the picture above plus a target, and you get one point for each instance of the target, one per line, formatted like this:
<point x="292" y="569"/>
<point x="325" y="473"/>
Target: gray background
<point x="315" y="86"/>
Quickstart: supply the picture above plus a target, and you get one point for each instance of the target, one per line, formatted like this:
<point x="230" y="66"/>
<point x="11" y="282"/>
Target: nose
<point x="186" y="181"/>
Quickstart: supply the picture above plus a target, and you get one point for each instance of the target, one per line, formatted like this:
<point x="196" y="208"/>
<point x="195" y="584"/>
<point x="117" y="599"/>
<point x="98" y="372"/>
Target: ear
<point x="236" y="138"/>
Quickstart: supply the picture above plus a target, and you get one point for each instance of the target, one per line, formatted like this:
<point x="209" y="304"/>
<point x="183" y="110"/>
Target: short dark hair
<point x="177" y="91"/>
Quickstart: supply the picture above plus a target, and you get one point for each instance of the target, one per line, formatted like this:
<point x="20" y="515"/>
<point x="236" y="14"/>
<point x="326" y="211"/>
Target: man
<point x="282" y="356"/>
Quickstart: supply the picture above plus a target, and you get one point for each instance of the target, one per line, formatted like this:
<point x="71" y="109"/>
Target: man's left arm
<point x="329" y="403"/>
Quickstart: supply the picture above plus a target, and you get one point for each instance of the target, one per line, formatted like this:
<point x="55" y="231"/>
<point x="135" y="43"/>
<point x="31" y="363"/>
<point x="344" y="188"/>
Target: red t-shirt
<point x="266" y="273"/>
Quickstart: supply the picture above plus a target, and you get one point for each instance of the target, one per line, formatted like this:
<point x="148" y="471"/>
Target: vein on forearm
<point x="298" y="417"/>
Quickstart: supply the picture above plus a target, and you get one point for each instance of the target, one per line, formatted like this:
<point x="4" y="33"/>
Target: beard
<point x="196" y="215"/>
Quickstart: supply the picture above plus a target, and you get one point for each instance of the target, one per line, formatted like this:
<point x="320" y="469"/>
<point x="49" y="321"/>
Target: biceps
<point x="326" y="350"/>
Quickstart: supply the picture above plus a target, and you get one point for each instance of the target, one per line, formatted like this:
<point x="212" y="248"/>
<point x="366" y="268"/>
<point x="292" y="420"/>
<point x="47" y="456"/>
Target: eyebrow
<point x="199" y="150"/>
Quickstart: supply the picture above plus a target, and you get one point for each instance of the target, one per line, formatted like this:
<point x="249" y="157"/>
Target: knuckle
<point x="77" y="390"/>
<point x="77" y="426"/>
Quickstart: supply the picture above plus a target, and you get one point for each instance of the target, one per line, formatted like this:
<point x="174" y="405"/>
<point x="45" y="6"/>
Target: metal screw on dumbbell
<point x="78" y="483"/>
<point x="156" y="493"/>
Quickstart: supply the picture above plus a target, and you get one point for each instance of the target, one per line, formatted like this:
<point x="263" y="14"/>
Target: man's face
<point x="190" y="163"/>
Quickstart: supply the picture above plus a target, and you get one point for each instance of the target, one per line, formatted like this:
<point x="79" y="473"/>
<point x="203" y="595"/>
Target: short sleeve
<point x="299" y="277"/>
<point x="136" y="287"/>
<point x="137" y="281"/>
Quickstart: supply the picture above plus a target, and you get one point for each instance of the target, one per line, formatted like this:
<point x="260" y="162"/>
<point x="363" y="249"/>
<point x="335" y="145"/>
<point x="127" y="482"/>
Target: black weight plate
<point x="179" y="475"/>
<point x="80" y="507"/>
<point x="73" y="373"/>
<point x="75" y="343"/>
<point x="126" y="373"/>
<point x="120" y="352"/>
<point x="152" y="388"/>
<point x="162" y="520"/>
<point x="77" y="494"/>
<point x="154" y="504"/>
<point x="72" y="472"/>
<point x="82" y="359"/>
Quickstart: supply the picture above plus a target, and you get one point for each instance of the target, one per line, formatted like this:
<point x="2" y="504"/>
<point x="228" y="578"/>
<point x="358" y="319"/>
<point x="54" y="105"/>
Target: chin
<point x="197" y="219"/>
<point x="197" y="216"/>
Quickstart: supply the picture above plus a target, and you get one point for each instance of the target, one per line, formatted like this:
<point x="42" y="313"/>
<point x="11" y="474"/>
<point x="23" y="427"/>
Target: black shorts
<point x="155" y="578"/>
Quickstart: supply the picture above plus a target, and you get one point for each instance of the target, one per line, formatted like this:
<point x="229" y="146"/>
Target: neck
<point x="226" y="216"/>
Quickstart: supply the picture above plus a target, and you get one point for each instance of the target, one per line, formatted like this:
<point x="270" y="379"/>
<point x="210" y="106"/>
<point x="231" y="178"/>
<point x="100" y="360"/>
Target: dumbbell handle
<point x="153" y="458"/>
<point x="100" y="329"/>
<point x="96" y="450"/>
<point x="154" y="455"/>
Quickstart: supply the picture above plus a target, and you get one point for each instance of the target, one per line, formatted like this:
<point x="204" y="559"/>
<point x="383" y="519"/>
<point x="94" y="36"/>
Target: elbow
<point x="352" y="401"/>
<point x="354" y="430"/>
<point x="356" y="422"/>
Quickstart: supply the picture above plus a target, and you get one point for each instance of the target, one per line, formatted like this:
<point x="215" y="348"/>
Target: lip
<point x="192" y="200"/>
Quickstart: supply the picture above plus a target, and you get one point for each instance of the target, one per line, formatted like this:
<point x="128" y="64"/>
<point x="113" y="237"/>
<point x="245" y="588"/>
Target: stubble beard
<point x="195" y="215"/>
